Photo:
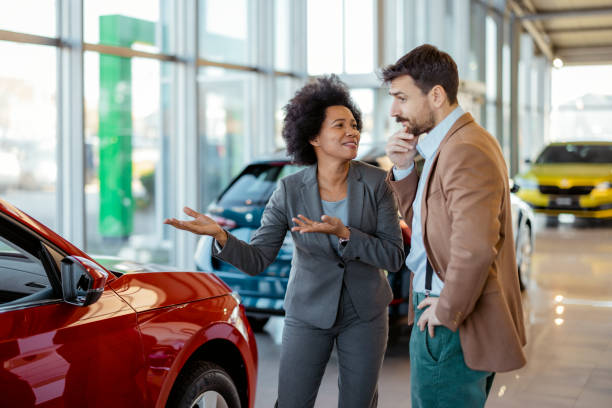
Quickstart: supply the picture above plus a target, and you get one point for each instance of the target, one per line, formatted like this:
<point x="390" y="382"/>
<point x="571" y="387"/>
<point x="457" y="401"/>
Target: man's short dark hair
<point x="428" y="67"/>
<point x="305" y="113"/>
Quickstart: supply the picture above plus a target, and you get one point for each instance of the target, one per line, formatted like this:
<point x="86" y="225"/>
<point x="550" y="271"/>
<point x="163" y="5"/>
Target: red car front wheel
<point x="203" y="384"/>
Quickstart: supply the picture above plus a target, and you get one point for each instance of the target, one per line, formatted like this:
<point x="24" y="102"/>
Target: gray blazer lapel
<point x="312" y="201"/>
<point x="355" y="194"/>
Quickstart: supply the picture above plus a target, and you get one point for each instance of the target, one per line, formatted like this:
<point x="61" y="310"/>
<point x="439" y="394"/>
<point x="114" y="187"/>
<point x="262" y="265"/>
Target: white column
<point x="460" y="49"/>
<point x="299" y="38"/>
<point x="262" y="140"/>
<point x="187" y="180"/>
<point x="436" y="24"/>
<point x="71" y="148"/>
<point x="421" y="22"/>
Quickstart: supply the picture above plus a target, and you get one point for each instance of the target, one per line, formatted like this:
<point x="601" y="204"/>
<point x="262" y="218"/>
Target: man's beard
<point x="418" y="128"/>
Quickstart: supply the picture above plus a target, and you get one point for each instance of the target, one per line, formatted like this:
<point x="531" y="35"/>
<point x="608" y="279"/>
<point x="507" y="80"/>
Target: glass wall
<point x="364" y="98"/>
<point x="325" y="36"/>
<point x="282" y="35"/>
<point x="18" y="17"/>
<point x="138" y="24"/>
<point x="178" y="96"/>
<point x="28" y="129"/>
<point x="359" y="36"/>
<point x="285" y="90"/>
<point x="126" y="130"/>
<point x="224" y="98"/>
<point x="341" y="36"/>
<point x="225" y="32"/>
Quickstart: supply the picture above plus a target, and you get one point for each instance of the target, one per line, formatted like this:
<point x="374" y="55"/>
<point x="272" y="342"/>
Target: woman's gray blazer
<point x="317" y="271"/>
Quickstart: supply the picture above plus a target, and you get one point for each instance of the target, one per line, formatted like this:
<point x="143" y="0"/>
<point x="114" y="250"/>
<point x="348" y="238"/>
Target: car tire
<point x="204" y="384"/>
<point x="524" y="250"/>
<point x="258" y="323"/>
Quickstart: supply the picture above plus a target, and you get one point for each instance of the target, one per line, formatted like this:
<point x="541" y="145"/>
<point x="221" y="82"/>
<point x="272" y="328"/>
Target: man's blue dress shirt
<point x="417" y="258"/>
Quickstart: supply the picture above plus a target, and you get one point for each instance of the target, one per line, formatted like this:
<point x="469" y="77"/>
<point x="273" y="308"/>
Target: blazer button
<point x="340" y="265"/>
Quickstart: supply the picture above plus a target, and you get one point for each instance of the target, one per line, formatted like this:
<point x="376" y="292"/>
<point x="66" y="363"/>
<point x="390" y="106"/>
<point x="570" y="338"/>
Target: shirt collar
<point x="429" y="143"/>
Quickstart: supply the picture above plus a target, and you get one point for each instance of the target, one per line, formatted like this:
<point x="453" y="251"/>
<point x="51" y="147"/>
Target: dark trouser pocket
<point x="439" y="376"/>
<point x="435" y="346"/>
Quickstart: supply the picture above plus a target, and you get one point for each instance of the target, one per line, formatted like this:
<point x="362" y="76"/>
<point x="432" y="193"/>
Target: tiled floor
<point x="569" y="326"/>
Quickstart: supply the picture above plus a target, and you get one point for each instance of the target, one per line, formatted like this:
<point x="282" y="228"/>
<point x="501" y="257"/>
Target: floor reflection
<point x="569" y="322"/>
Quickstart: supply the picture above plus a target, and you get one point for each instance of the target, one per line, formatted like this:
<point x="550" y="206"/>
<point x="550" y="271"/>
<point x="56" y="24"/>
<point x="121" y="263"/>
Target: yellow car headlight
<point x="603" y="186"/>
<point x="526" y="183"/>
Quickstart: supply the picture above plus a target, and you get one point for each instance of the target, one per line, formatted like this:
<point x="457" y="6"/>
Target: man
<point x="465" y="289"/>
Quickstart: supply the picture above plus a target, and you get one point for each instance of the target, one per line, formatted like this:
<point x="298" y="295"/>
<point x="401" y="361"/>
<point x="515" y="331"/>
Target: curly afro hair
<point x="305" y="113"/>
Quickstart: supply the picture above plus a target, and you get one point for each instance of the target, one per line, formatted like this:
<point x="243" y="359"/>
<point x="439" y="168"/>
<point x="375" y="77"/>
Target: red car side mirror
<point x="82" y="281"/>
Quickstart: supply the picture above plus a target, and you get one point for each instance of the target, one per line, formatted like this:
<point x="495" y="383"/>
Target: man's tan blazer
<point x="467" y="233"/>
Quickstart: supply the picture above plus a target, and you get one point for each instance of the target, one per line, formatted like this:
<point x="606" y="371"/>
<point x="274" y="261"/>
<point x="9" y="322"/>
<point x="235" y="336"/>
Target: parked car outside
<point x="78" y="331"/>
<point x="570" y="178"/>
<point x="239" y="209"/>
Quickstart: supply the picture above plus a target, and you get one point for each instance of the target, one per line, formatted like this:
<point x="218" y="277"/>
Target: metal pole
<point x="515" y="37"/>
<point x="71" y="147"/>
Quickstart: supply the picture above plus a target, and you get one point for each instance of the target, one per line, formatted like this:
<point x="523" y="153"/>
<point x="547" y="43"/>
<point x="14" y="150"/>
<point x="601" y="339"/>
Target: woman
<point x="345" y="229"/>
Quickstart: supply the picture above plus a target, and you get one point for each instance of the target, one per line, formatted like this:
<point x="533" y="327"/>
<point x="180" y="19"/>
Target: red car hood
<point x="153" y="290"/>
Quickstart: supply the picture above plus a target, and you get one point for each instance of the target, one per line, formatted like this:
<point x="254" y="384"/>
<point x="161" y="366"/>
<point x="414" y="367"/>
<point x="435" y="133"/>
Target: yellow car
<point x="570" y="178"/>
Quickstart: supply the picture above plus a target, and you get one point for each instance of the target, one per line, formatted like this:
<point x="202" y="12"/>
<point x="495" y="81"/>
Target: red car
<point x="75" y="332"/>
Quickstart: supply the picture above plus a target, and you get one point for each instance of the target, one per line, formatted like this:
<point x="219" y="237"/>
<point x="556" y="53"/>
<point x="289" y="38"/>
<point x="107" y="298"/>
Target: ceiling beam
<point x="585" y="55"/>
<point x="572" y="13"/>
<point x="540" y="38"/>
<point x="578" y="30"/>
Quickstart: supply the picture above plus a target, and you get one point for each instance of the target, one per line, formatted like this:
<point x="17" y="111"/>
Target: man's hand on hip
<point x="428" y="318"/>
<point x="401" y="149"/>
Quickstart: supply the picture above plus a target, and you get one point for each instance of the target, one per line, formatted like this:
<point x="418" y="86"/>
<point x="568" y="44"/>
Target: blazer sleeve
<point x="405" y="192"/>
<point x="255" y="257"/>
<point x="384" y="249"/>
<point x="474" y="190"/>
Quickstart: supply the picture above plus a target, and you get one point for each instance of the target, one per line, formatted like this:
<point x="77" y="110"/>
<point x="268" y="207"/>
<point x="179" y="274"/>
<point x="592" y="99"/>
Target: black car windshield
<point x="255" y="184"/>
<point x="576" y="153"/>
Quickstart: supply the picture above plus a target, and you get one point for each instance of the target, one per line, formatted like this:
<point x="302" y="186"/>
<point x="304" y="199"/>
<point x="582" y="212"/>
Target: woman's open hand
<point x="327" y="225"/>
<point x="201" y="225"/>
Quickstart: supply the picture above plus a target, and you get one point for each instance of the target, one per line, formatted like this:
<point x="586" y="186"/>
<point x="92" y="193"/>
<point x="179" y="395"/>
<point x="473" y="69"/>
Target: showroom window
<point x="28" y="129"/>
<point x="137" y="24"/>
<point x="282" y="35"/>
<point x="224" y="31"/>
<point x="125" y="139"/>
<point x="285" y="90"/>
<point x="18" y="17"/>
<point x="340" y="36"/>
<point x="115" y="114"/>
<point x="224" y="99"/>
<point x="364" y="98"/>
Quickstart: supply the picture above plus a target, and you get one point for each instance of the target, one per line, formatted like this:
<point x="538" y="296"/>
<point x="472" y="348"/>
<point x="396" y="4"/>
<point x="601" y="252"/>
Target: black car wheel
<point x="524" y="250"/>
<point x="204" y="385"/>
